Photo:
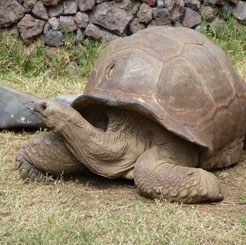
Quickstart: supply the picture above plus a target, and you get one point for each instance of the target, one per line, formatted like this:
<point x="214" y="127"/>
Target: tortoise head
<point x="52" y="113"/>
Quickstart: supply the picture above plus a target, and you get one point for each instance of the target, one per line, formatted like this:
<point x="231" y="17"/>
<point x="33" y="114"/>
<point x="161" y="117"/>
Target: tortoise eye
<point x="44" y="106"/>
<point x="111" y="71"/>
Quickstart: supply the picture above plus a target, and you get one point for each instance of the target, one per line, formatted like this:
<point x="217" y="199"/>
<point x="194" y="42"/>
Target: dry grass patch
<point x="43" y="85"/>
<point x="89" y="209"/>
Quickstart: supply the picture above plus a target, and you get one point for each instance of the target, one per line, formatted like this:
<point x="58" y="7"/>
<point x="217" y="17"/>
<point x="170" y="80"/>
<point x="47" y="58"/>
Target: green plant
<point x="37" y="59"/>
<point x="232" y="39"/>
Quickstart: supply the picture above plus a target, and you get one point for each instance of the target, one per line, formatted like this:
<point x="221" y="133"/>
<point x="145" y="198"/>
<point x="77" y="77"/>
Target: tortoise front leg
<point x="46" y="153"/>
<point x="158" y="177"/>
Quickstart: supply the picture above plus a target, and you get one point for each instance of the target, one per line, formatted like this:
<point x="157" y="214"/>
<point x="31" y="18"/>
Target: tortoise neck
<point x="92" y="146"/>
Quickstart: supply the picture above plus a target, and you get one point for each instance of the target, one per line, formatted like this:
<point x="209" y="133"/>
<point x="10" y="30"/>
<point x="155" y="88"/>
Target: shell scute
<point x="176" y="77"/>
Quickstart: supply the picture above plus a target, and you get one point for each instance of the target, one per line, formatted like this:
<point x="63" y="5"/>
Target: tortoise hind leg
<point x="159" y="177"/>
<point x="46" y="153"/>
<point x="227" y="156"/>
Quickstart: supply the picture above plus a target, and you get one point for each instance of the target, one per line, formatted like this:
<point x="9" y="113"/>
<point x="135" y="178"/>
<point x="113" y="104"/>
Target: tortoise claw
<point x="17" y="165"/>
<point x="37" y="177"/>
<point x="23" y="174"/>
<point x="28" y="171"/>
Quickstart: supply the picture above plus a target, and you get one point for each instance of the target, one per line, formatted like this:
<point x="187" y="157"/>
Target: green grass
<point x="90" y="209"/>
<point x="37" y="68"/>
<point x="36" y="59"/>
<point x="232" y="40"/>
<point x="241" y="199"/>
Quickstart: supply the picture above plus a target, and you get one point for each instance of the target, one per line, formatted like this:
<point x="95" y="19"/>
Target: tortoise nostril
<point x="44" y="106"/>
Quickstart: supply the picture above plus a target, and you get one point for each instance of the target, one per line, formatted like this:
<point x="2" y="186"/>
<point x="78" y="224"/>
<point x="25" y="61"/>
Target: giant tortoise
<point x="161" y="107"/>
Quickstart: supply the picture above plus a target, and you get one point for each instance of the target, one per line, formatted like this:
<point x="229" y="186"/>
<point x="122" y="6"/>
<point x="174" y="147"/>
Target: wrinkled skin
<point x="125" y="145"/>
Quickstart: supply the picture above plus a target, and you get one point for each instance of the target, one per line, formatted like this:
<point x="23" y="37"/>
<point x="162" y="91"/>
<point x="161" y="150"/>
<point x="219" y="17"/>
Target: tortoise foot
<point x="28" y="171"/>
<point x="160" y="178"/>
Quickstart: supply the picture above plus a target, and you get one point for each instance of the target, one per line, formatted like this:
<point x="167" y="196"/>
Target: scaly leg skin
<point x="46" y="153"/>
<point x="161" y="178"/>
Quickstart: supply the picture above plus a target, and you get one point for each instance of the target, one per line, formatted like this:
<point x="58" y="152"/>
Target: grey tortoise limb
<point x="14" y="112"/>
<point x="46" y="153"/>
<point x="161" y="178"/>
<point x="15" y="108"/>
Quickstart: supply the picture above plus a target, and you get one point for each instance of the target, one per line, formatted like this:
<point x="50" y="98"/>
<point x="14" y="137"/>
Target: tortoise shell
<point x="176" y="77"/>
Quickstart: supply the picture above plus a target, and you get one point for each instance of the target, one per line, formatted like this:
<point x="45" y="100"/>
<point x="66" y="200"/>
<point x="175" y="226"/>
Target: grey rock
<point x="28" y="4"/>
<point x="160" y="4"/>
<point x="177" y="11"/>
<point x="110" y="16"/>
<point x="81" y="19"/>
<point x="169" y="4"/>
<point x="54" y="23"/>
<point x="145" y="13"/>
<point x="227" y="9"/>
<point x="47" y="27"/>
<point x="191" y="18"/>
<point x="162" y="17"/>
<point x="85" y="5"/>
<point x="135" y="26"/>
<point x="20" y="1"/>
<point x="67" y="23"/>
<point x="30" y="28"/>
<point x="211" y="2"/>
<point x="54" y="38"/>
<point x="10" y="12"/>
<point x="193" y="4"/>
<point x="79" y="35"/>
<point x="56" y="11"/>
<point x="15" y="109"/>
<point x="100" y="1"/>
<point x="93" y="31"/>
<point x="178" y="24"/>
<point x="127" y="5"/>
<point x="150" y="2"/>
<point x="50" y="2"/>
<point x="152" y="23"/>
<point x="222" y="2"/>
<point x="240" y="12"/>
<point x="108" y="36"/>
<point x="208" y="12"/>
<point x="40" y="11"/>
<point x="70" y="7"/>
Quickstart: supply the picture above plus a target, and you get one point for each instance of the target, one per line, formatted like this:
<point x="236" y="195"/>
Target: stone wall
<point x="107" y="20"/>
